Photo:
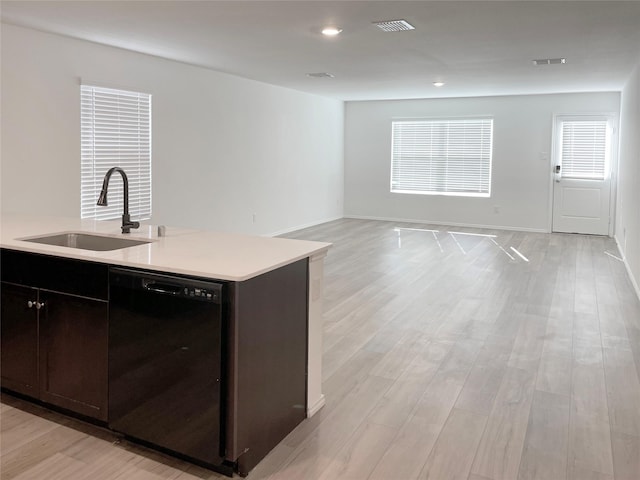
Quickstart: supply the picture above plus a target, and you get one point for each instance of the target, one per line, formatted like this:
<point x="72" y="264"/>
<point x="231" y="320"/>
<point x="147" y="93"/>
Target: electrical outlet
<point x="496" y="209"/>
<point x="253" y="218"/>
<point x="544" y="156"/>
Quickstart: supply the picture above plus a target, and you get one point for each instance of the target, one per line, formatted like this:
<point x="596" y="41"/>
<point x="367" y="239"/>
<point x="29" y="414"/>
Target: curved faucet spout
<point x="127" y="224"/>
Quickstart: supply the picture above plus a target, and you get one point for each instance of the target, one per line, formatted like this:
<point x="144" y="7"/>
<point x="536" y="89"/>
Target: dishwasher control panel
<point x="165" y="285"/>
<point x="201" y="293"/>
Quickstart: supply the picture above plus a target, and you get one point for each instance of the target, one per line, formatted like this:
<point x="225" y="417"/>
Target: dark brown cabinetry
<point x="55" y="337"/>
<point x="242" y="365"/>
<point x="73" y="351"/>
<point x="267" y="365"/>
<point x="19" y="339"/>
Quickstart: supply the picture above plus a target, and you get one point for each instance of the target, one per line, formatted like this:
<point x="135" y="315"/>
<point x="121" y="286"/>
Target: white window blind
<point x="115" y="132"/>
<point x="448" y="157"/>
<point x="584" y="149"/>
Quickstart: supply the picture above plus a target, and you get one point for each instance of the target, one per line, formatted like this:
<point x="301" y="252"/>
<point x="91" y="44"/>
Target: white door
<point x="583" y="151"/>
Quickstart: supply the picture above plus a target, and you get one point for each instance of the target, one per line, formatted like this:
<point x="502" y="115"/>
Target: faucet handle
<point x="127" y="224"/>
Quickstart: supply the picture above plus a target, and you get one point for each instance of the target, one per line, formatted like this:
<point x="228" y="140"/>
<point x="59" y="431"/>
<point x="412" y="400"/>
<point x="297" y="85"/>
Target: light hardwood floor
<point x="447" y="356"/>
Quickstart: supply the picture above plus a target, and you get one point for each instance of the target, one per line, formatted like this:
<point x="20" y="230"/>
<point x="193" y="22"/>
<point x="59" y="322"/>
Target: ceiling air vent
<point x="550" y="61"/>
<point x="320" y="75"/>
<point x="394" y="25"/>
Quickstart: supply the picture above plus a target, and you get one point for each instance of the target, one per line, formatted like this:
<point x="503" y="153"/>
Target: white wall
<point x="628" y="213"/>
<point x="224" y="147"/>
<point x="521" y="178"/>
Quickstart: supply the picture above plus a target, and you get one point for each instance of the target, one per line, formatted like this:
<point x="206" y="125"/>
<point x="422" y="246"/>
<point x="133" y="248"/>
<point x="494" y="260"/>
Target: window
<point x="445" y="157"/>
<point x="115" y="132"/>
<point x="584" y="147"/>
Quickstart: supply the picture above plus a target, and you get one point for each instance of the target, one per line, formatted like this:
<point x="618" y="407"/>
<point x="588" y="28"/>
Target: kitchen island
<point x="250" y="270"/>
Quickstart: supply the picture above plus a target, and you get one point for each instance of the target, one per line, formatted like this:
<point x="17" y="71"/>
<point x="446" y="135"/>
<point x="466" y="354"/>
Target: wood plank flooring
<point x="449" y="353"/>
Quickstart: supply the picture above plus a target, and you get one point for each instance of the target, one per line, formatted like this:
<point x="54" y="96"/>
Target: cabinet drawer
<point x="64" y="275"/>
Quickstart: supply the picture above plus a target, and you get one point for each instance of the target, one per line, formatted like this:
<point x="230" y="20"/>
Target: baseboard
<point x="634" y="282"/>
<point x="313" y="409"/>
<point x="449" y="224"/>
<point x="300" y="227"/>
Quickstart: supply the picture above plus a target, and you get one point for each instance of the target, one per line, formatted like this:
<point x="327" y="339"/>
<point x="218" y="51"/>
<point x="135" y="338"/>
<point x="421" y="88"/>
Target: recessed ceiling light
<point x="394" y="25"/>
<point x="320" y="75"/>
<point x="438" y="84"/>
<point x="550" y="61"/>
<point x="331" y="31"/>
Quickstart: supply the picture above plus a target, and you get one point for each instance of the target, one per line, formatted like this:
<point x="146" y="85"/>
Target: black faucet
<point x="127" y="224"/>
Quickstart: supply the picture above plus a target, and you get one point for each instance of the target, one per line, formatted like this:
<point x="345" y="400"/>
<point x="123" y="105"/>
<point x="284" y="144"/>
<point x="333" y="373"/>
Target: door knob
<point x="31" y="304"/>
<point x="556" y="171"/>
<point x="39" y="305"/>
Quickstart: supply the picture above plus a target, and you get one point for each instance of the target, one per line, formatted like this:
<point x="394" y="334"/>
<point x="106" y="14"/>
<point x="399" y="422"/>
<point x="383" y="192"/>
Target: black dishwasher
<point x="165" y="363"/>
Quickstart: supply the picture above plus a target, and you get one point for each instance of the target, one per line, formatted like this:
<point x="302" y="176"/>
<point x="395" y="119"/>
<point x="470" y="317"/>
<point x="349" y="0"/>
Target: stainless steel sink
<point x="86" y="241"/>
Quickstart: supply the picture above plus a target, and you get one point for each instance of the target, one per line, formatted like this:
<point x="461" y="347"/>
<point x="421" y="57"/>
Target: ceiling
<point x="477" y="47"/>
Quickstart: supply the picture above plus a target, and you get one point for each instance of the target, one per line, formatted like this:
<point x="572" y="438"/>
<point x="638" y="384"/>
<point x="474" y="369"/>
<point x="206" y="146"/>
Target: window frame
<point x="447" y="191"/>
<point x="609" y="146"/>
<point x="123" y="140"/>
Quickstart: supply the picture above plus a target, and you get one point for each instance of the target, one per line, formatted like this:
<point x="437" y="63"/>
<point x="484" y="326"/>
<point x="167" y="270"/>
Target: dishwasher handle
<point x="156" y="287"/>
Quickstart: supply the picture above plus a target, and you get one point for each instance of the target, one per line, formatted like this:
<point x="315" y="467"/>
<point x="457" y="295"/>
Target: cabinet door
<point x="19" y="339"/>
<point x="73" y="353"/>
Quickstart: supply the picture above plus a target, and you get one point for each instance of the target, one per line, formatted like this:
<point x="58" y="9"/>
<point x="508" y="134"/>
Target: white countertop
<point x="224" y="256"/>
